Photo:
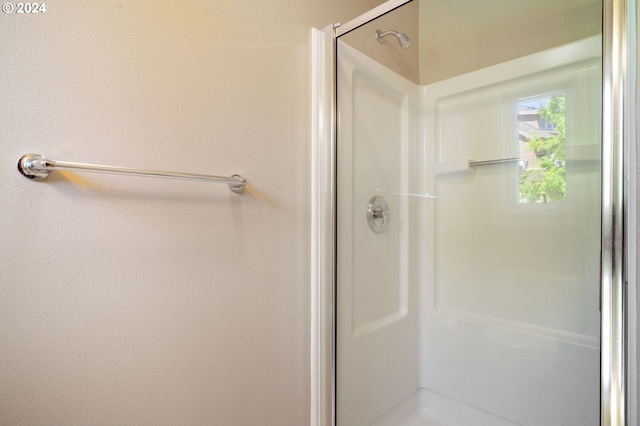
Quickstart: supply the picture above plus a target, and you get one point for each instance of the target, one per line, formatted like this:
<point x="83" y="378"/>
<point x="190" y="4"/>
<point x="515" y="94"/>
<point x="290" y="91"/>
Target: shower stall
<point x="467" y="231"/>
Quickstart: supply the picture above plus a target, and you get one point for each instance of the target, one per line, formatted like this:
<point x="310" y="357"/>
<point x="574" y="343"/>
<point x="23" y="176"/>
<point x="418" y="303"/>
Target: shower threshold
<point x="427" y="408"/>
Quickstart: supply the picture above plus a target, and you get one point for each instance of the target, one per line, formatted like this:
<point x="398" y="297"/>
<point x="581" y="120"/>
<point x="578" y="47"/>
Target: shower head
<point x="403" y="39"/>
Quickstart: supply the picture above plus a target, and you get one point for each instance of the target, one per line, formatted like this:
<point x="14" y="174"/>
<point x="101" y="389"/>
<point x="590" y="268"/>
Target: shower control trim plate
<point x="377" y="214"/>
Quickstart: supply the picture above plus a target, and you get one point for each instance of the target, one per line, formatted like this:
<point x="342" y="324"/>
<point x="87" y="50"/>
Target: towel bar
<point x="35" y="166"/>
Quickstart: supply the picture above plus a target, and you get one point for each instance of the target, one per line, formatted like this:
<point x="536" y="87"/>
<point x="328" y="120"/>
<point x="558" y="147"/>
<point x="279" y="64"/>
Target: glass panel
<point x="541" y="145"/>
<point x="468" y="239"/>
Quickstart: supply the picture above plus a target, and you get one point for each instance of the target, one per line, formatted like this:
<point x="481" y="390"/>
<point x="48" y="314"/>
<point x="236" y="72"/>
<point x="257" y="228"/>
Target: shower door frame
<point x="618" y="247"/>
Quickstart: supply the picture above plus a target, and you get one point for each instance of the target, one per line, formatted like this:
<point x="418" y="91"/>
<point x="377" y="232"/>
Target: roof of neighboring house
<point x="527" y="128"/>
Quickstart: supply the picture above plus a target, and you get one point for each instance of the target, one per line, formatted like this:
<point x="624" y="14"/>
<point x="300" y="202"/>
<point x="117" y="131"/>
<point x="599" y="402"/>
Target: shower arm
<point x="380" y="35"/>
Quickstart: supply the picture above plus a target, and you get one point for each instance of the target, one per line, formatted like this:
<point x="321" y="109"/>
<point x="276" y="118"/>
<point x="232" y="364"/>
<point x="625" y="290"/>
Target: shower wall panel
<point x="377" y="301"/>
<point x="510" y="298"/>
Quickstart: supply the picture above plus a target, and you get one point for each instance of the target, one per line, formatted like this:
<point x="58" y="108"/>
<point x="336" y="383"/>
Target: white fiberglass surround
<point x="460" y="303"/>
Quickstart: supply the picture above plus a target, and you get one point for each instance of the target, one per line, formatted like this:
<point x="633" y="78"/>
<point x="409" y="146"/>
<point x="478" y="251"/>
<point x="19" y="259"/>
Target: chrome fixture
<point x="488" y="162"/>
<point x="35" y="166"/>
<point x="377" y="214"/>
<point x="403" y="39"/>
<point x="618" y="97"/>
<point x="406" y="194"/>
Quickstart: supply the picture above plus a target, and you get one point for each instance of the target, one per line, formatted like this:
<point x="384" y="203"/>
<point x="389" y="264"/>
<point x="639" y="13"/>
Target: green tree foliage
<point x="546" y="181"/>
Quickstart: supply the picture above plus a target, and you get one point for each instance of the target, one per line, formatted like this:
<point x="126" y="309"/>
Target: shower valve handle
<point x="378" y="214"/>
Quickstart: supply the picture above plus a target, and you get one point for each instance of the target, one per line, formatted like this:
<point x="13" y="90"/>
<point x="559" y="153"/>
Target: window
<point x="541" y="143"/>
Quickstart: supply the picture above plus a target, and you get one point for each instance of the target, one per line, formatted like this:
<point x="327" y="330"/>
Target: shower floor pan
<point x="427" y="408"/>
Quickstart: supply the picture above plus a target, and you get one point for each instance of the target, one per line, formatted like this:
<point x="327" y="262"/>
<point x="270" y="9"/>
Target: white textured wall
<point x="147" y="301"/>
<point x="458" y="37"/>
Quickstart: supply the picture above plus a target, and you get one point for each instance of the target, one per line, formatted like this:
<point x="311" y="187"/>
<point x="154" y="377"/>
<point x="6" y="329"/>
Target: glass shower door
<point x="468" y="223"/>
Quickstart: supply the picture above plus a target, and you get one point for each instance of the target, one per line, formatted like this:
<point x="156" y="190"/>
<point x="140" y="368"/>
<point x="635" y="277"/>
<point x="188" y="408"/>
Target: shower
<point x="491" y="299"/>
<point x="403" y="39"/>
